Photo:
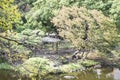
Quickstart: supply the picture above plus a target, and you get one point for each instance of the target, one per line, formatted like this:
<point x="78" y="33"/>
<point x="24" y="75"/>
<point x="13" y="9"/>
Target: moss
<point x="70" y="67"/>
<point x="35" y="66"/>
<point x="6" y="66"/>
<point x="88" y="63"/>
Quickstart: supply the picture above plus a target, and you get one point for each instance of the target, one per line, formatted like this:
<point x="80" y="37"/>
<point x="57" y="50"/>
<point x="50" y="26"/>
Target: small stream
<point x="90" y="74"/>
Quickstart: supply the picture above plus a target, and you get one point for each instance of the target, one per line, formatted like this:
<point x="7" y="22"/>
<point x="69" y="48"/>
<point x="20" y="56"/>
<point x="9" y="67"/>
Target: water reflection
<point x="92" y="74"/>
<point x="11" y="75"/>
<point x="100" y="74"/>
<point x="115" y="74"/>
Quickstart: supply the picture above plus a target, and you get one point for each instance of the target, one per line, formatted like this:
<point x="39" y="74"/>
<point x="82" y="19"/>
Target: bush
<point x="6" y="66"/>
<point x="35" y="66"/>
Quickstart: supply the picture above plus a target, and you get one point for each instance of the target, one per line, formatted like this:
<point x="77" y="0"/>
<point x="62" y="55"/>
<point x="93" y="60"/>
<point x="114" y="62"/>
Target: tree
<point x="115" y="12"/>
<point x="86" y="29"/>
<point x="9" y="14"/>
<point x="40" y="12"/>
<point x="101" y="5"/>
<point x="24" y="5"/>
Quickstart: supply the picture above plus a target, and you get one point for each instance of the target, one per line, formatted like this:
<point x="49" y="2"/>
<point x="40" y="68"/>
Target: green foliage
<point x="41" y="15"/>
<point x="101" y="5"/>
<point x="2" y="59"/>
<point x="34" y="66"/>
<point x="8" y="14"/>
<point x="70" y="67"/>
<point x="32" y="37"/>
<point x="24" y="5"/>
<point x="43" y="11"/>
<point x="6" y="66"/>
<point x="19" y="46"/>
<point x="38" y="13"/>
<point x="88" y="29"/>
<point x="115" y="12"/>
<point x="11" y="49"/>
<point x="77" y="65"/>
<point x="89" y="63"/>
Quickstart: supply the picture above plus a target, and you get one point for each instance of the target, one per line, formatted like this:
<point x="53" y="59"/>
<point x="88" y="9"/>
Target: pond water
<point x="11" y="75"/>
<point x="90" y="74"/>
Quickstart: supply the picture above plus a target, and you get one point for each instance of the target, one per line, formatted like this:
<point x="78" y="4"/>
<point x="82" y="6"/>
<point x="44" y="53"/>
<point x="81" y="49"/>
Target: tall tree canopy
<point x="115" y="12"/>
<point x="9" y="14"/>
<point x="88" y="29"/>
<point x="44" y="10"/>
<point x="38" y="13"/>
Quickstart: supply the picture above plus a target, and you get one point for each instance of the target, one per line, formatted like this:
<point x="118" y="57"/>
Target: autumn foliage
<point x="88" y="29"/>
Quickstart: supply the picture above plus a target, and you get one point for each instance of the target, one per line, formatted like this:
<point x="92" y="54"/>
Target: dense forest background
<point x="87" y="24"/>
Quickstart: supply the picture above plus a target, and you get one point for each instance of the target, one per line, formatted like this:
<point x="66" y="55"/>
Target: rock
<point x="97" y="66"/>
<point x="69" y="77"/>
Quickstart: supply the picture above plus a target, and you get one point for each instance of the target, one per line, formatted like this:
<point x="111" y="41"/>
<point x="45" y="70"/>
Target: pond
<point x="11" y="75"/>
<point x="90" y="74"/>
